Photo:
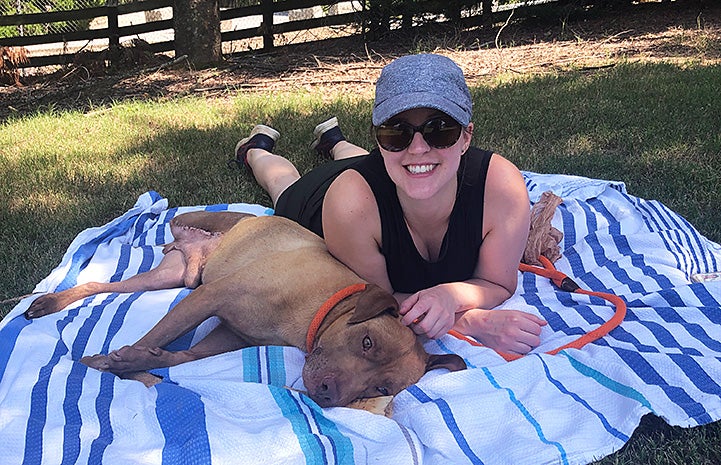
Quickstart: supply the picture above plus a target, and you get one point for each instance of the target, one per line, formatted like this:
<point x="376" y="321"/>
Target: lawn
<point x="657" y="127"/>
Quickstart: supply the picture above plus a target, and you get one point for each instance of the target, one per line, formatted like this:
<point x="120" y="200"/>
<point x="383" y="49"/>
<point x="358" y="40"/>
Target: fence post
<point x="266" y="27"/>
<point x="113" y="30"/>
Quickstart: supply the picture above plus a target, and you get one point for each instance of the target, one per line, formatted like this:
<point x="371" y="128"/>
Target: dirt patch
<point x="682" y="32"/>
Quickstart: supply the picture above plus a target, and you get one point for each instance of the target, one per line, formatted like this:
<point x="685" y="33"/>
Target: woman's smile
<point x="421" y="168"/>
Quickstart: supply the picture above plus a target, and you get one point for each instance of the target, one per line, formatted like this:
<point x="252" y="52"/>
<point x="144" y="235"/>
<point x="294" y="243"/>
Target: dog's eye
<point x="383" y="391"/>
<point x="367" y="343"/>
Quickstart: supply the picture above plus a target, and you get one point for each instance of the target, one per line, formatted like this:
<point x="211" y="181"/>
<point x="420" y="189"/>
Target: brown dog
<point x="265" y="278"/>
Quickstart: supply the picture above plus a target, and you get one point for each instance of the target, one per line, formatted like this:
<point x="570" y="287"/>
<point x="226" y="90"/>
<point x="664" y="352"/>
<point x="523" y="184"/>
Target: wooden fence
<point x="114" y="33"/>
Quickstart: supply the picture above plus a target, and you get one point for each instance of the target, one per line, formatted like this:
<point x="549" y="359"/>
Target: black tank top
<point x="407" y="270"/>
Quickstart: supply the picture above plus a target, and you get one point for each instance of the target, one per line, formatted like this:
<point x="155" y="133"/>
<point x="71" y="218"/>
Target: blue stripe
<point x="73" y="383"/>
<point x="39" y="399"/>
<point x="341" y="446"/>
<point x="73" y="387"/>
<point x="524" y="411"/>
<point x="9" y="335"/>
<point x="449" y="420"/>
<point x="182" y="343"/>
<point x="71" y="411"/>
<point x="607" y="426"/>
<point x="701" y="291"/>
<point x="696" y="374"/>
<point x="139" y="230"/>
<point x="608" y="383"/>
<point x="624" y="249"/>
<point x="569" y="228"/>
<point x="219" y="207"/>
<point x="676" y="394"/>
<point x="160" y="231"/>
<point x="85" y="252"/>
<point x="181" y="415"/>
<point x="107" y="381"/>
<point x="636" y="202"/>
<point x="693" y="238"/>
<point x="310" y="444"/>
<point x="591" y="238"/>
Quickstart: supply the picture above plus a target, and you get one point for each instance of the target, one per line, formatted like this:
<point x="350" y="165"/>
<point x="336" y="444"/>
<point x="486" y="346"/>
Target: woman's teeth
<point x="420" y="169"/>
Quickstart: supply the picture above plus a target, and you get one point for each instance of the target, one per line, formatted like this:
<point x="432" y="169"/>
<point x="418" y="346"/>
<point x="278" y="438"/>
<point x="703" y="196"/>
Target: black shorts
<point x="302" y="201"/>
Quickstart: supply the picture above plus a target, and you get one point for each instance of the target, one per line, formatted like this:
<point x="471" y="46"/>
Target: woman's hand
<point x="509" y="331"/>
<point x="430" y="312"/>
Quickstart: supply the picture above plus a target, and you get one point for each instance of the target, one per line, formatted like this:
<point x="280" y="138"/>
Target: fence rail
<point x="113" y="33"/>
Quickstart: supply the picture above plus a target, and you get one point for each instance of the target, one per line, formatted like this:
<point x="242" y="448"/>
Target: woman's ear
<point x="467" y="135"/>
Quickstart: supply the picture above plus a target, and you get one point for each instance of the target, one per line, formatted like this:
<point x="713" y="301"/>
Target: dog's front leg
<point x="131" y="361"/>
<point x="147" y="352"/>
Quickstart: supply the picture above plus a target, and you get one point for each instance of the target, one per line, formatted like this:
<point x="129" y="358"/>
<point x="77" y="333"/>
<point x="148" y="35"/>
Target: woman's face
<point x="420" y="171"/>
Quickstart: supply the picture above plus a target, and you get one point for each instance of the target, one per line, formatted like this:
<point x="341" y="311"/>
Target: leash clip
<point x="568" y="285"/>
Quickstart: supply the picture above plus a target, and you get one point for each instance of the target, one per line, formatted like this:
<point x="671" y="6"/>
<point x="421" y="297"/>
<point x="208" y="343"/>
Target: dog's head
<point x="369" y="353"/>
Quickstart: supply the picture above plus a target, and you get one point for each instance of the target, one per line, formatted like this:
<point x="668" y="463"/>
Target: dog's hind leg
<point x="168" y="274"/>
<point x="128" y="361"/>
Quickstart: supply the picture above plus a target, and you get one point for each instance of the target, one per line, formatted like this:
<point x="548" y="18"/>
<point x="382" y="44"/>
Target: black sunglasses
<point x="438" y="132"/>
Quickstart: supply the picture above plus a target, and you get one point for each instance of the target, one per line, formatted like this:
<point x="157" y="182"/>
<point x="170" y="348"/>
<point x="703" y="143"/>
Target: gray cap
<point x="422" y="81"/>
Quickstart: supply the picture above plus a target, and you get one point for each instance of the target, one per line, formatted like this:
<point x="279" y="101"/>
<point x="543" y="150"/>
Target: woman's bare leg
<point x="344" y="149"/>
<point x="273" y="172"/>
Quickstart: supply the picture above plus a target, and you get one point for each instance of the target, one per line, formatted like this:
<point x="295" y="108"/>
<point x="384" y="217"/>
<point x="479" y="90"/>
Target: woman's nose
<point x="418" y="144"/>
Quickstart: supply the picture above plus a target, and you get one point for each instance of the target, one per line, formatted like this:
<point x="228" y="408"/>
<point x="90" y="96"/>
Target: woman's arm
<point x="352" y="228"/>
<point x="464" y="305"/>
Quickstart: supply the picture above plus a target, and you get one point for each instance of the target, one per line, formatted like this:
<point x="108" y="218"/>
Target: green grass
<point x="656" y="127"/>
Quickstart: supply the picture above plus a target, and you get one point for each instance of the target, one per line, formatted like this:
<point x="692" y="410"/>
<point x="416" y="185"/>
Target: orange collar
<point x="325" y="309"/>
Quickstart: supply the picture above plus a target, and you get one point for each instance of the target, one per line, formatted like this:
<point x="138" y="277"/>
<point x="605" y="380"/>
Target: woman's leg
<point x="331" y="143"/>
<point x="273" y="172"/>
<point x="344" y="149"/>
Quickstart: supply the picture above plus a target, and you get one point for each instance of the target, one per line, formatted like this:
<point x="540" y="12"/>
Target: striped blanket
<point x="234" y="408"/>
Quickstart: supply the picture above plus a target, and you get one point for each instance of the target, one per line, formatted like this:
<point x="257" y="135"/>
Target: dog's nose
<point x="328" y="391"/>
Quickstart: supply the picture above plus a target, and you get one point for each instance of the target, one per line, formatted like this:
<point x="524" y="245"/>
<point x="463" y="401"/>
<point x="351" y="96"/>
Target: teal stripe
<point x="608" y="383"/>
<point x="251" y="365"/>
<point x="527" y="415"/>
<point x="342" y="445"/>
<point x="310" y="444"/>
<point x="276" y="366"/>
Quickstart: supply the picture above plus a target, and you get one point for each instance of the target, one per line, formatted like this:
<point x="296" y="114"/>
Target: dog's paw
<point x="98" y="362"/>
<point x="43" y="305"/>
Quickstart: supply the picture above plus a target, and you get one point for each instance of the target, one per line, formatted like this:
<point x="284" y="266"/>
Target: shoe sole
<point x="321" y="129"/>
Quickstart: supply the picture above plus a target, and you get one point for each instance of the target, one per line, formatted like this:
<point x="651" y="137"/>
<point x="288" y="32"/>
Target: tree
<point x="197" y="31"/>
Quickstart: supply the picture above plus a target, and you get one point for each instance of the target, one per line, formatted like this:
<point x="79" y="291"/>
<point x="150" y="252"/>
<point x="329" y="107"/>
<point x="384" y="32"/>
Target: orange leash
<point x="563" y="282"/>
<point x="325" y="309"/>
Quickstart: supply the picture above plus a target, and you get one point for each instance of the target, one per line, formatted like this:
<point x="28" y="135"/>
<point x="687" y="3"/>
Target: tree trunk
<point x="197" y="31"/>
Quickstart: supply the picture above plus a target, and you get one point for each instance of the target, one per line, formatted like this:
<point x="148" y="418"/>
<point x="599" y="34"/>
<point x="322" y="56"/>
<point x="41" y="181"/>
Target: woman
<point x="440" y="224"/>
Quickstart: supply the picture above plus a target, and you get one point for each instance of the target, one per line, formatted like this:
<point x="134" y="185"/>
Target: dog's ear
<point x="451" y="362"/>
<point x="372" y="302"/>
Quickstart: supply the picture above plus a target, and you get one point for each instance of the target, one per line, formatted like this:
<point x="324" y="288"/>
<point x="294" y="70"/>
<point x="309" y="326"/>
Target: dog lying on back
<point x="270" y="282"/>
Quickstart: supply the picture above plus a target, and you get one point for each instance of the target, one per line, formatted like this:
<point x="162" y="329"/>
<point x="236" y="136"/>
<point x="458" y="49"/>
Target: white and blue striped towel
<point x="234" y="408"/>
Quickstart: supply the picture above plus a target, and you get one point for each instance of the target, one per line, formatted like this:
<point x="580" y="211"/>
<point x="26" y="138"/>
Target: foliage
<point x="12" y="7"/>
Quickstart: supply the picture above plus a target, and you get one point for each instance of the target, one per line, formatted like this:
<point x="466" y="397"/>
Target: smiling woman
<point x="440" y="224"/>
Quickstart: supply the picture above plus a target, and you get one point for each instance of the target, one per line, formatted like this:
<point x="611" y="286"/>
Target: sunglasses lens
<point x="441" y="133"/>
<point x="394" y="137"/>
